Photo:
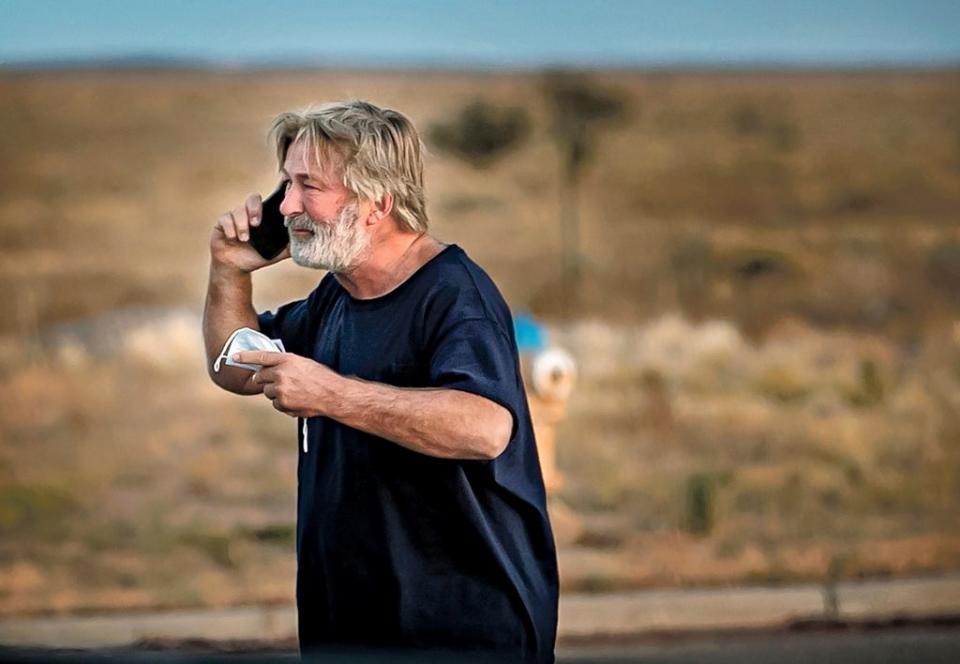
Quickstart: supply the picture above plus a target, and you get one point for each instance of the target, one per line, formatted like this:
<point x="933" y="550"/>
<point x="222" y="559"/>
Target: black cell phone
<point x="270" y="236"/>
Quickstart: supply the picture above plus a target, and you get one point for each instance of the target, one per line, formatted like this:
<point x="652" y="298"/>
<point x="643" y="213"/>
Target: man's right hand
<point x="230" y="241"/>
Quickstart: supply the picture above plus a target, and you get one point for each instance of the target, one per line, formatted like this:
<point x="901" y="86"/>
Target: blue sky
<point x="498" y="33"/>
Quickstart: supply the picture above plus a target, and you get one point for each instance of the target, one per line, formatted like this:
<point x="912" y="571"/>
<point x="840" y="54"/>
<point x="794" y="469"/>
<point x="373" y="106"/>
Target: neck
<point x="389" y="263"/>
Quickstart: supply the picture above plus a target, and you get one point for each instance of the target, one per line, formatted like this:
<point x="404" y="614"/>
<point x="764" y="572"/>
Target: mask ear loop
<point x="223" y="353"/>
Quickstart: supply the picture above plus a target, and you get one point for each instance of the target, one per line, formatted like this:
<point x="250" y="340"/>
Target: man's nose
<point x="291" y="205"/>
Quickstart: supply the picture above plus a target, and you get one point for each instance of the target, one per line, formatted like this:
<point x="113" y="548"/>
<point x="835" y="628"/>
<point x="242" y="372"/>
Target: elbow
<point x="235" y="381"/>
<point x="498" y="434"/>
<point x="215" y="378"/>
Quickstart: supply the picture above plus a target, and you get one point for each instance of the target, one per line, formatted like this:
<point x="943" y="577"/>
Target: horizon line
<point x="158" y="62"/>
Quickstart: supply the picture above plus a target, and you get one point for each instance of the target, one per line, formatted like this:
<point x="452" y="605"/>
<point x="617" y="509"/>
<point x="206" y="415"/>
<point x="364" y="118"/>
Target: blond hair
<point x="377" y="150"/>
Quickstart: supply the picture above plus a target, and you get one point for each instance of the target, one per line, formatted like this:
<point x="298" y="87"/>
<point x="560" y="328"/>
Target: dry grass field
<point x="767" y="326"/>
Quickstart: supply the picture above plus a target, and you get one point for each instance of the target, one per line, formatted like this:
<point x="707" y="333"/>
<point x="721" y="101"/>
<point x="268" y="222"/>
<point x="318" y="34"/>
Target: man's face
<point x="321" y="216"/>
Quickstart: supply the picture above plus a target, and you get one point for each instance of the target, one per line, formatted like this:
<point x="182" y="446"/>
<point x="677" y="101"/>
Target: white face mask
<point x="246" y="339"/>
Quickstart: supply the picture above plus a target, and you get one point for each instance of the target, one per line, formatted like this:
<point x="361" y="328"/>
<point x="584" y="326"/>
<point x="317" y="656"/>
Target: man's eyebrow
<point x="306" y="176"/>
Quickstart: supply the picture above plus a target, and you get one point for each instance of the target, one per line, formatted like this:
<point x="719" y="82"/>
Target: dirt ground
<point x="766" y="327"/>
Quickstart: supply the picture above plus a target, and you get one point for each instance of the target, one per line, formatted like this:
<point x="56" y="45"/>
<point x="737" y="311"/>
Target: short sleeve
<point x="474" y="355"/>
<point x="288" y="323"/>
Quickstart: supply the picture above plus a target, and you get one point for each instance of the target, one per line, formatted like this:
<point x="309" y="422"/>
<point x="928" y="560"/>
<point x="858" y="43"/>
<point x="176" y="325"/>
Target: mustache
<point x="300" y="222"/>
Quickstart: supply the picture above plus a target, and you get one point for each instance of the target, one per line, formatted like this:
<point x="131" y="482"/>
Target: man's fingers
<point x="236" y="223"/>
<point x="253" y="209"/>
<point x="282" y="409"/>
<point x="226" y="224"/>
<point x="264" y="358"/>
<point x="266" y="374"/>
<point x="240" y="220"/>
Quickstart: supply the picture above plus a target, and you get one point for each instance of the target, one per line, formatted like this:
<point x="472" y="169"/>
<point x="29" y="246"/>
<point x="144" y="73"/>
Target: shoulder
<point x="459" y="283"/>
<point x="462" y="290"/>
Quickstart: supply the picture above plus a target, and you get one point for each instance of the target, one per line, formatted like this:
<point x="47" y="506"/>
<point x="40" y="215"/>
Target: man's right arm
<point x="228" y="307"/>
<point x="229" y="303"/>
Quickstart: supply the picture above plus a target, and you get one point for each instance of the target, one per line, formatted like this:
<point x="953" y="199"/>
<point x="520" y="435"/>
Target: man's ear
<point x="382" y="207"/>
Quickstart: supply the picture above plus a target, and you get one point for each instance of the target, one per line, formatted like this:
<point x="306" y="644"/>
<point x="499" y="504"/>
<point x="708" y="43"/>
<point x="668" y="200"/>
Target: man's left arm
<point x="440" y="422"/>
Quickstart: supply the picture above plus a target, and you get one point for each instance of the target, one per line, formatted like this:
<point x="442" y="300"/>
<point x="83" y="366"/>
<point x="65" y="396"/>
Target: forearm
<point x="439" y="422"/>
<point x="228" y="307"/>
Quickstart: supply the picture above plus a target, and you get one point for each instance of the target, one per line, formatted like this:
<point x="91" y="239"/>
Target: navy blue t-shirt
<point x="398" y="549"/>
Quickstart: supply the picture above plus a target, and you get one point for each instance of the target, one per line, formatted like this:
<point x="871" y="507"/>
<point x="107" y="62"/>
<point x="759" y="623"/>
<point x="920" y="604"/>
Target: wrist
<point x="338" y="389"/>
<point x="226" y="272"/>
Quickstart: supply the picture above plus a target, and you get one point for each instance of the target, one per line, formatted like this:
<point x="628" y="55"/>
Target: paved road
<point x="895" y="646"/>
<point x="609" y="617"/>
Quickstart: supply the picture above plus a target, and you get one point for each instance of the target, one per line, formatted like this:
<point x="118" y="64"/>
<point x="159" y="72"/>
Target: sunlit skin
<point x="435" y="421"/>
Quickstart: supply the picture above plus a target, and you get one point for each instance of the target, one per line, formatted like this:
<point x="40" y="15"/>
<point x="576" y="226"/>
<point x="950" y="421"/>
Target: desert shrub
<point x="749" y="263"/>
<point x="943" y="269"/>
<point x="701" y="504"/>
<point x="480" y="133"/>
<point x="769" y="122"/>
<point x="784" y="384"/>
<point x="783" y="135"/>
<point x="746" y="119"/>
<point x="855" y="200"/>
<point x="692" y="255"/>
<point x="692" y="262"/>
<point x="27" y="508"/>
<point x="870" y="389"/>
<point x="215" y="545"/>
<point x="281" y="534"/>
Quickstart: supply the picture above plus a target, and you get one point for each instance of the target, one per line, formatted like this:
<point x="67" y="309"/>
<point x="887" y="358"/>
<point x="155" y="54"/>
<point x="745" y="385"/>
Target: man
<point x="422" y="518"/>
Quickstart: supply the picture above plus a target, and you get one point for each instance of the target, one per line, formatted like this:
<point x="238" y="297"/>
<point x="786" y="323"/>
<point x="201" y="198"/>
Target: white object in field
<point x="554" y="372"/>
<point x="246" y="339"/>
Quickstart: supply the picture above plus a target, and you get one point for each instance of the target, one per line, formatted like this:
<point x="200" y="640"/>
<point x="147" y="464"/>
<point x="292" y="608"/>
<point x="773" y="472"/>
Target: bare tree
<point x="579" y="111"/>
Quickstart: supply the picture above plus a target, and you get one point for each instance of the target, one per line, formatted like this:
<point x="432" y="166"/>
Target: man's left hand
<point x="296" y="385"/>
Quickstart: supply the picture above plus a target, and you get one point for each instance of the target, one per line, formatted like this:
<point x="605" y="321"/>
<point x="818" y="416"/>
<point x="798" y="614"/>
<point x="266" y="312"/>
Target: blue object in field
<point x="531" y="335"/>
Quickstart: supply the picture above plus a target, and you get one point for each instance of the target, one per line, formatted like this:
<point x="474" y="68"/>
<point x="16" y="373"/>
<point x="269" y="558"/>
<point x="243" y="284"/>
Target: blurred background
<point x="740" y="220"/>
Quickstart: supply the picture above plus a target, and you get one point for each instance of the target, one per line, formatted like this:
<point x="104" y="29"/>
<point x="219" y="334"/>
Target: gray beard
<point x="335" y="245"/>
